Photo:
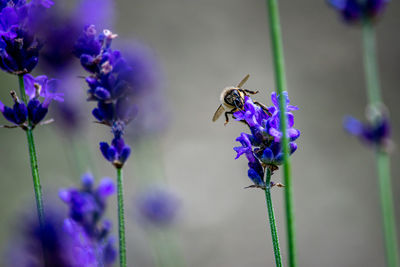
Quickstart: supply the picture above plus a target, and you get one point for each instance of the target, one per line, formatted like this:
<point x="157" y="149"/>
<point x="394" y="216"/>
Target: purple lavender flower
<point x="355" y="10"/>
<point x="19" y="47"/>
<point x="87" y="207"/>
<point x="110" y="86"/>
<point x="263" y="146"/>
<point x="117" y="153"/>
<point x="256" y="171"/>
<point x="37" y="88"/>
<point x="60" y="29"/>
<point x="62" y="248"/>
<point x="29" y="240"/>
<point x="377" y="133"/>
<point x="157" y="206"/>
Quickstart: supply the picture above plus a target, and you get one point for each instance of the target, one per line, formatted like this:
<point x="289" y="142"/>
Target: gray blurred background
<point x="204" y="46"/>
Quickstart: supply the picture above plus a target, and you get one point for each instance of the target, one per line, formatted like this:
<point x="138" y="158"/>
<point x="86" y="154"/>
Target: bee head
<point x="233" y="97"/>
<point x="237" y="99"/>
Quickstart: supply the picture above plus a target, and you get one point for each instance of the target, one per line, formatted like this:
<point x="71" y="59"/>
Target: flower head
<point x="157" y="206"/>
<point x="110" y="85"/>
<point x="263" y="146"/>
<point x="377" y="133"/>
<point x="62" y="248"/>
<point x="40" y="92"/>
<point x="19" y="47"/>
<point x="116" y="153"/>
<point x="60" y="29"/>
<point x="355" y="10"/>
<point x="85" y="225"/>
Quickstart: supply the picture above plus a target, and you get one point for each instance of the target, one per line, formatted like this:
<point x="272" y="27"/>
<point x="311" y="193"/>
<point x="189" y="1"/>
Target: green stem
<point x="33" y="159"/>
<point x="280" y="79"/>
<point x="121" y="219"/>
<point x="272" y="223"/>
<point x="370" y="63"/>
<point x="389" y="223"/>
<point x="382" y="158"/>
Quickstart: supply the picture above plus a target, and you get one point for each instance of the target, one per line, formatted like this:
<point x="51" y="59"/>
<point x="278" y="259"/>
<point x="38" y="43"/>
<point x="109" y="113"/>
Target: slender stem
<point x="280" y="79"/>
<point x="370" y="63"/>
<point x="121" y="219"/>
<point x="382" y="158"/>
<point x="272" y="223"/>
<point x="33" y="159"/>
<point x="389" y="223"/>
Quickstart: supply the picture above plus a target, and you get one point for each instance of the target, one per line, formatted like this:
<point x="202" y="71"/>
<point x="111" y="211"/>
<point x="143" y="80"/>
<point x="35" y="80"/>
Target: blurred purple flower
<point x="157" y="206"/>
<point x="85" y="225"/>
<point x="356" y="10"/>
<point x="60" y="247"/>
<point x="60" y="29"/>
<point x="19" y="47"/>
<point x="377" y="133"/>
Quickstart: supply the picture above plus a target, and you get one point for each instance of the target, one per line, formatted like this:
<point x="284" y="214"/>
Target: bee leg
<point x="226" y="118"/>
<point x="250" y="91"/>
<point x="226" y="115"/>
<point x="263" y="107"/>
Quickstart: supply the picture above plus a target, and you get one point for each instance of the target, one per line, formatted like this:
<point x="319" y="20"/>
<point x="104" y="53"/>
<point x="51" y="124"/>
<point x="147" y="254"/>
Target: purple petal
<point x="111" y="154"/>
<point x="118" y="143"/>
<point x="276" y="134"/>
<point x="124" y="155"/>
<point x="64" y="195"/>
<point x="241" y="150"/>
<point x="255" y="177"/>
<point x="274" y="100"/>
<point x="104" y="147"/>
<point x="29" y="82"/>
<point x="290" y="108"/>
<point x="292" y="147"/>
<point x="293" y="134"/>
<point x="106" y="187"/>
<point x="267" y="156"/>
<point x="353" y="126"/>
<point x="290" y="119"/>
<point x="87" y="180"/>
<point x="102" y="93"/>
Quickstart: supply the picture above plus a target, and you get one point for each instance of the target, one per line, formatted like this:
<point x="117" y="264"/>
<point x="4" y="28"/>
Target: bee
<point x="232" y="100"/>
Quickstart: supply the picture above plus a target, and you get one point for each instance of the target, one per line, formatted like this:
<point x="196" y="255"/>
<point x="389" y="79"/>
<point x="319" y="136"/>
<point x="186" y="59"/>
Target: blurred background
<point x="201" y="47"/>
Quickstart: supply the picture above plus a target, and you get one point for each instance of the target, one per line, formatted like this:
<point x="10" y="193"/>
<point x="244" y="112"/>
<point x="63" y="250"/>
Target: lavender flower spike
<point x="89" y="232"/>
<point x="377" y="133"/>
<point x="263" y="146"/>
<point x="63" y="248"/>
<point x="19" y="47"/>
<point x="355" y="10"/>
<point x="40" y="92"/>
<point x="117" y="153"/>
<point x="110" y="86"/>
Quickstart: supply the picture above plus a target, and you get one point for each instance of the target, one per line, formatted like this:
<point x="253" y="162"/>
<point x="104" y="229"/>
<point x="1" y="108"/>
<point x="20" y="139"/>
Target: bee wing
<point x="243" y="81"/>
<point x="218" y="113"/>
